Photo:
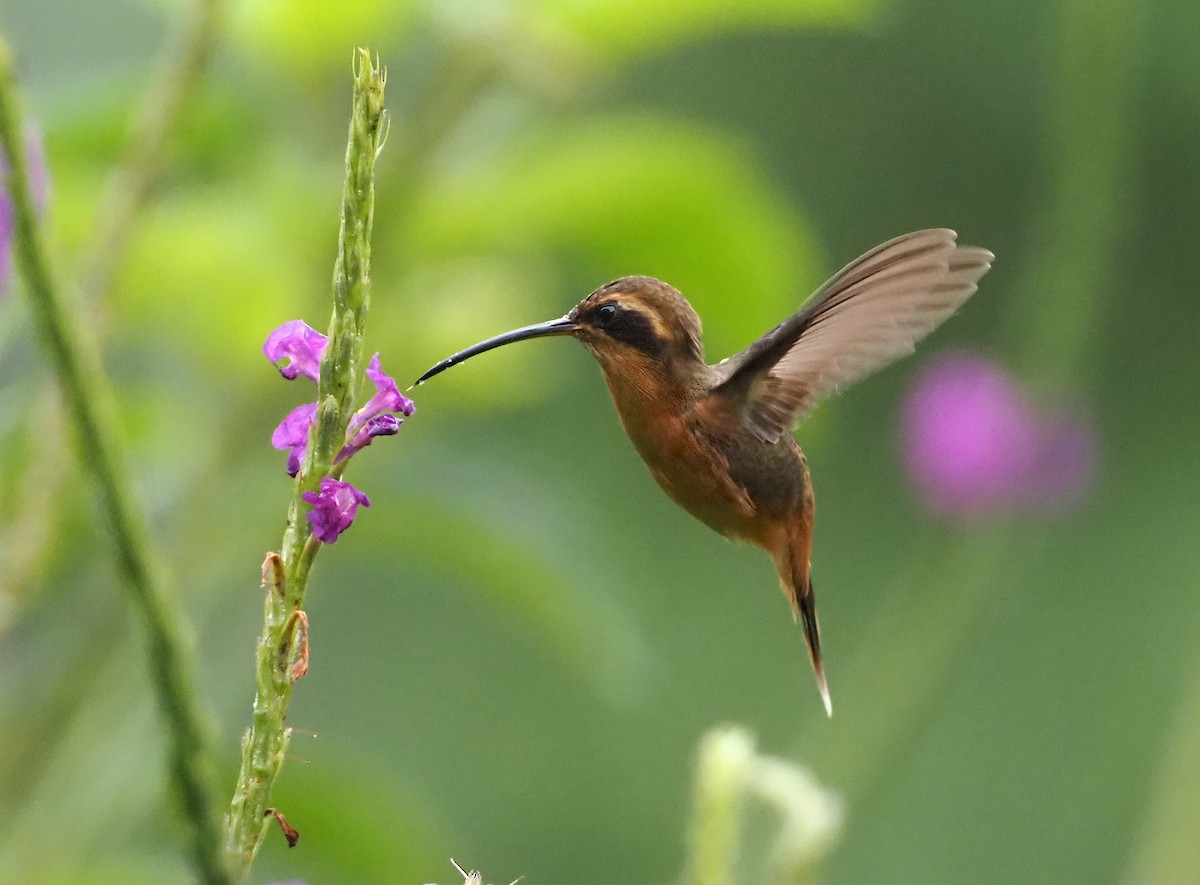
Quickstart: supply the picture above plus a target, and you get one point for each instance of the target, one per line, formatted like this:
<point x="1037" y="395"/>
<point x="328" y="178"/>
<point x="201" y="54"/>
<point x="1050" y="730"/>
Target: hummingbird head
<point x="639" y="323"/>
<point x="631" y="325"/>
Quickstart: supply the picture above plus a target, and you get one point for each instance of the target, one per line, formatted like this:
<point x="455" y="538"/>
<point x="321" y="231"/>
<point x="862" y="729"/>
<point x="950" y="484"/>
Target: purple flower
<point x="380" y="425"/>
<point x="292" y="433"/>
<point x="334" y="507"/>
<point x="387" y="398"/>
<point x="299" y="343"/>
<point x="303" y="347"/>
<point x="38" y="182"/>
<point x="974" y="443"/>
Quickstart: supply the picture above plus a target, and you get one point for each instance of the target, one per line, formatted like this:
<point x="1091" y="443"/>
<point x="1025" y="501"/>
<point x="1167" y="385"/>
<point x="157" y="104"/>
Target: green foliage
<point x="627" y="28"/>
<point x="666" y="199"/>
<point x="308" y="38"/>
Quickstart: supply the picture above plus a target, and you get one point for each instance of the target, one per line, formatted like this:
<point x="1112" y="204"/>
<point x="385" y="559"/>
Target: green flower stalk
<point x="729" y="771"/>
<point x="89" y="398"/>
<point x="321" y="436"/>
<point x="810" y="818"/>
<point x="726" y="756"/>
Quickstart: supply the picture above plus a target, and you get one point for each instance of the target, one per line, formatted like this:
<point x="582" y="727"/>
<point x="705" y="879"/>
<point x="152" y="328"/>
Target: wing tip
<point x="961" y="254"/>
<point x="967" y="265"/>
<point x="973" y="255"/>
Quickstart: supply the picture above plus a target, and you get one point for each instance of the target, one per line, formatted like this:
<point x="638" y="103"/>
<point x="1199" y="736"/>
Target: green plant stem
<point x="285" y="575"/>
<point x="726" y="755"/>
<point x="186" y="58"/>
<point x="185" y="61"/>
<point x="90" y="403"/>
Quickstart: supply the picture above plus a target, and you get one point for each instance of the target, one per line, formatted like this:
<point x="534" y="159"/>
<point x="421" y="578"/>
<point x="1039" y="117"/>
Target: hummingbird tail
<point x="790" y="552"/>
<point x="805" y="602"/>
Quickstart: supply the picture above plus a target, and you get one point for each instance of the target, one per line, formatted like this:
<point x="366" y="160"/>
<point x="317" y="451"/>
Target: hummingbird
<point x="718" y="438"/>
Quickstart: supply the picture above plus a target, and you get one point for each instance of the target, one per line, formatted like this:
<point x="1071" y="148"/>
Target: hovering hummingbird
<point x="718" y="439"/>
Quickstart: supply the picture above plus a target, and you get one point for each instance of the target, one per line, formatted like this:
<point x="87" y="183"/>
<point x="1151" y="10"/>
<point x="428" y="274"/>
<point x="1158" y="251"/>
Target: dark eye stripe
<point x="636" y="329"/>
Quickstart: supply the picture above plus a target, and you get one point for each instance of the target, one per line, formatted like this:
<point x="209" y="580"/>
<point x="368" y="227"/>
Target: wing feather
<point x="870" y="313"/>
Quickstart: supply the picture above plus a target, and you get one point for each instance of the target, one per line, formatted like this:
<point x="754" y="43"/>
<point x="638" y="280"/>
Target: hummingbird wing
<point x="871" y="312"/>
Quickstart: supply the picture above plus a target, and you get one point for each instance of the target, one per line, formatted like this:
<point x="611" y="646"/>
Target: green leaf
<point x="216" y="270"/>
<point x="357" y="832"/>
<point x="630" y="27"/>
<point x="632" y="195"/>
<point x="310" y="38"/>
<point x="587" y="632"/>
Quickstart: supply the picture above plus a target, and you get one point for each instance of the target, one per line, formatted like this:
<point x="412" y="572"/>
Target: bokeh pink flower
<point x="975" y="444"/>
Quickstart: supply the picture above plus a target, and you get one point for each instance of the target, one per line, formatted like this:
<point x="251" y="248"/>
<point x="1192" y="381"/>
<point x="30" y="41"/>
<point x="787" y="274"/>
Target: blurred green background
<point x="518" y="647"/>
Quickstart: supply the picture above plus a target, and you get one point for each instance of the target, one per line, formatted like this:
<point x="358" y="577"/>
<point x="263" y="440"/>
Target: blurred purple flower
<point x="301" y="344"/>
<point x="292" y="434"/>
<point x="38" y="183"/>
<point x="333" y="508"/>
<point x="7" y="226"/>
<point x="974" y="443"/>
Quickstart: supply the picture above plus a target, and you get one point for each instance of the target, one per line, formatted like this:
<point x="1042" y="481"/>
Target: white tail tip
<point x="823" y="687"/>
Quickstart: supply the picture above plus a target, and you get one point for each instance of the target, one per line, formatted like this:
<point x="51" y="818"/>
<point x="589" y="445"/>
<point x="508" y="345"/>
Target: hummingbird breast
<point x="722" y="474"/>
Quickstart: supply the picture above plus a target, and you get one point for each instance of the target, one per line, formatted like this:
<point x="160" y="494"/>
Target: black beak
<point x="561" y="326"/>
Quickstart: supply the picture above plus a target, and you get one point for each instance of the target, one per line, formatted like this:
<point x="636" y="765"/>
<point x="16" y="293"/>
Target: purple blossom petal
<point x="35" y="159"/>
<point x="334" y="508"/>
<point x="7" y="226"/>
<point x="380" y="425"/>
<point x="387" y="398"/>
<point x="298" y="342"/>
<point x="292" y="433"/>
<point x="974" y="443"/>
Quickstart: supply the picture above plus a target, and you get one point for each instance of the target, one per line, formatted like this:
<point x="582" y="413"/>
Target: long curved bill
<point x="561" y="326"/>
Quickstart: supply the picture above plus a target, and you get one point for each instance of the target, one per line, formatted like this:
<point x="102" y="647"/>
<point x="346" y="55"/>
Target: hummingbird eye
<point x="606" y="312"/>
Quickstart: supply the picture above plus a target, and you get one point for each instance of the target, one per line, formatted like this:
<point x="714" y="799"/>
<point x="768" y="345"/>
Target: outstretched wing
<point x="870" y="313"/>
